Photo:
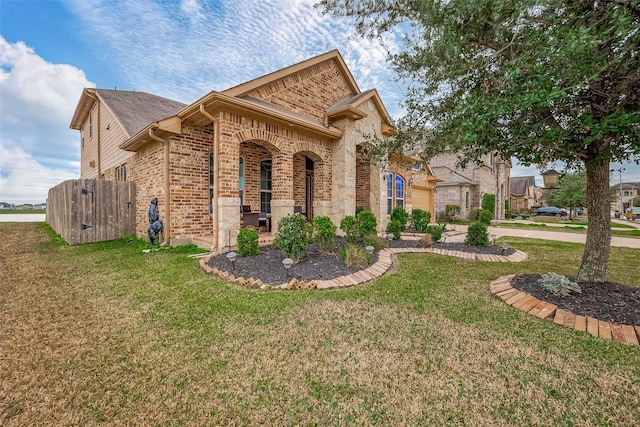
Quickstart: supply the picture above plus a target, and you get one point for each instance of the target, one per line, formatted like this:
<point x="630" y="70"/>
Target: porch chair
<point x="264" y="221"/>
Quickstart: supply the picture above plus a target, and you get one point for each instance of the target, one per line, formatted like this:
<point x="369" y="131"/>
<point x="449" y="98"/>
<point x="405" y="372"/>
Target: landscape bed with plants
<point x="316" y="253"/>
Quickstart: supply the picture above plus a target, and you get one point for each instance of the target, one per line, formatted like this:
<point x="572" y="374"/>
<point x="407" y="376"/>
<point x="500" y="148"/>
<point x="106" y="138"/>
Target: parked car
<point x="551" y="211"/>
<point x="633" y="213"/>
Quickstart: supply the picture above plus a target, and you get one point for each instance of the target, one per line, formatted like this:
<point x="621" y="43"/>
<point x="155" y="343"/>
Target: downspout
<point x="167" y="220"/>
<point x="216" y="168"/>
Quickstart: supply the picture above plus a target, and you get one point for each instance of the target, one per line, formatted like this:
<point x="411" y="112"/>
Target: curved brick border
<point x="502" y="288"/>
<point x="375" y="270"/>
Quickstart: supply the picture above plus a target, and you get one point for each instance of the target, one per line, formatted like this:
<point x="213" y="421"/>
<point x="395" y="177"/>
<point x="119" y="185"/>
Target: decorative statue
<point x="155" y="225"/>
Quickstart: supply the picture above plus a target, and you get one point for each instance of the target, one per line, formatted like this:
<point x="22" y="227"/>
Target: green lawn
<point x="105" y="334"/>
<point x="19" y="211"/>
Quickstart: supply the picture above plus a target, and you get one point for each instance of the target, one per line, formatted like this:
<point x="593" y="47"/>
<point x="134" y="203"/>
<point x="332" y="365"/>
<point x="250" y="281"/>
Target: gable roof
<point x="519" y="185"/>
<point x="133" y="110"/>
<point x="454" y="177"/>
<point x="250" y="86"/>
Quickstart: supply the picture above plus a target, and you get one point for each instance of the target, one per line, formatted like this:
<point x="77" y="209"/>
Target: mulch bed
<point x="611" y="302"/>
<point x="268" y="267"/>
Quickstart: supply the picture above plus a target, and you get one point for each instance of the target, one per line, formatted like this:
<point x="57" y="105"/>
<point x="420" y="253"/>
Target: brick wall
<point x="309" y="91"/>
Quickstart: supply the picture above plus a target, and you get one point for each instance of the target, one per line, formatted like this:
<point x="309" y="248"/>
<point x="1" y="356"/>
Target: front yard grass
<point x="105" y="334"/>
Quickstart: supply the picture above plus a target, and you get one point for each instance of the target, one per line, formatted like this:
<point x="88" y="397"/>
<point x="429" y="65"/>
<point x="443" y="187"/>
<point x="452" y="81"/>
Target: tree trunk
<point x="596" y="250"/>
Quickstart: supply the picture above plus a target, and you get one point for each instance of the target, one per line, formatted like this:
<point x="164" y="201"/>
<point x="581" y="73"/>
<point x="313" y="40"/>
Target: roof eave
<point x="85" y="103"/>
<point x="217" y="101"/>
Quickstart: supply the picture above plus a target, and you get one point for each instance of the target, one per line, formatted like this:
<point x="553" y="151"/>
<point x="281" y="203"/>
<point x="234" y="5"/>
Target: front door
<point x="309" y="196"/>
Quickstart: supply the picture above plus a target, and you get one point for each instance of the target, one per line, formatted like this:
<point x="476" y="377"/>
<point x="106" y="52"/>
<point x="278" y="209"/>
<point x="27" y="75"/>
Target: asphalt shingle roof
<point x="135" y="110"/>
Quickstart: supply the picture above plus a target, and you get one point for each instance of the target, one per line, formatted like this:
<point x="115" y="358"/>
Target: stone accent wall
<point x="363" y="181"/>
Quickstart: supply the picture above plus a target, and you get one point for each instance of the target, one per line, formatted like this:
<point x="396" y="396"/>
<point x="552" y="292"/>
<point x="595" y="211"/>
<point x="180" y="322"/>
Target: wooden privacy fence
<point x="91" y="210"/>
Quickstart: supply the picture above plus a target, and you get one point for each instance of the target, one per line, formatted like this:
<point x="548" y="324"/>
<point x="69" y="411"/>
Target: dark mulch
<point x="611" y="302"/>
<point x="268" y="267"/>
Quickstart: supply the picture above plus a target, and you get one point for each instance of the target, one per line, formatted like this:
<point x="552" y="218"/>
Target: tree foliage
<point x="539" y="80"/>
<point x="571" y="192"/>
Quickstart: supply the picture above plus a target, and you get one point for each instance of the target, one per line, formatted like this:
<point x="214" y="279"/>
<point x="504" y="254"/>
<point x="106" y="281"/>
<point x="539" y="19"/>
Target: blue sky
<point x="50" y="50"/>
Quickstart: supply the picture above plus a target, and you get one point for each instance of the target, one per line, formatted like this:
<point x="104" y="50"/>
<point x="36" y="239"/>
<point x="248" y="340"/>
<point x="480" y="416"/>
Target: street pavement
<point x="625" y="242"/>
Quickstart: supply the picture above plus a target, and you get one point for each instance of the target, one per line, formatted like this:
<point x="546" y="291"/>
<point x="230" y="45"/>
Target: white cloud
<point x="184" y="53"/>
<point x="38" y="100"/>
<point x="25" y="180"/>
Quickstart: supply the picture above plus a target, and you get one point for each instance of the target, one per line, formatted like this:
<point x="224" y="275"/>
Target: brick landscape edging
<point x="373" y="271"/>
<point x="502" y="288"/>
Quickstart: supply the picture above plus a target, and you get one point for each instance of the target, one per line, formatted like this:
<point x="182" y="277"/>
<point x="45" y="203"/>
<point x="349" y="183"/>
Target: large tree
<point x="540" y="80"/>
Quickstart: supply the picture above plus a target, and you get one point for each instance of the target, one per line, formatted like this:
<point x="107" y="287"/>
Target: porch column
<point x="343" y="174"/>
<point x="282" y="200"/>
<point x="228" y="223"/>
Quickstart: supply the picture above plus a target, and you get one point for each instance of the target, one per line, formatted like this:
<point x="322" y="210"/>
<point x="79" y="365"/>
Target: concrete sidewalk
<point x="625" y="242"/>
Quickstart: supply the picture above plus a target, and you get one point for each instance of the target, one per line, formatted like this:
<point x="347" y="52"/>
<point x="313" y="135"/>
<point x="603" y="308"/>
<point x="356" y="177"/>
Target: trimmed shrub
<point x="399" y="214"/>
<point x="248" y="242"/>
<point x="477" y="235"/>
<point x="436" y="230"/>
<point x="395" y="227"/>
<point x="425" y="241"/>
<point x="367" y="223"/>
<point x="324" y="233"/>
<point x="355" y="256"/>
<point x="420" y="219"/>
<point x="451" y="211"/>
<point x="508" y="214"/>
<point x="349" y="225"/>
<point x="485" y="216"/>
<point x="293" y="236"/>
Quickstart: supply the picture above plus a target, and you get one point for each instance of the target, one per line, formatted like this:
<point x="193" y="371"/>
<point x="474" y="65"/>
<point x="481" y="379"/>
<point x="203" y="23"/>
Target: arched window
<point x="265" y="186"/>
<point x="399" y="191"/>
<point x="241" y="180"/>
<point x="395" y="191"/>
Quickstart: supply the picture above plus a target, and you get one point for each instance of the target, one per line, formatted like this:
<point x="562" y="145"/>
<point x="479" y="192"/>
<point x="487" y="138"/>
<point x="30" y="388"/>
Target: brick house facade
<point x="289" y="140"/>
<point x="465" y="187"/>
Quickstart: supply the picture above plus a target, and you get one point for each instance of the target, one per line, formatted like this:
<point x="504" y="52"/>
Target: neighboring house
<point x="290" y="140"/>
<point x="539" y="196"/>
<point x="5" y="205"/>
<point x="629" y="192"/>
<point x="522" y="193"/>
<point x="465" y="187"/>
